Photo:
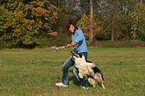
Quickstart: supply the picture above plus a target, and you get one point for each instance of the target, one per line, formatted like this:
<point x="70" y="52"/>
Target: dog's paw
<point x="94" y="85"/>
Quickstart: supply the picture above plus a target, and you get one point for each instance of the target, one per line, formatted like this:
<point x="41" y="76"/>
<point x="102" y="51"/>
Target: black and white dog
<point x="88" y="69"/>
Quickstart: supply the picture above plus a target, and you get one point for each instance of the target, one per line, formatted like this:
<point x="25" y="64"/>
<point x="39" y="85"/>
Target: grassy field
<point x="35" y="72"/>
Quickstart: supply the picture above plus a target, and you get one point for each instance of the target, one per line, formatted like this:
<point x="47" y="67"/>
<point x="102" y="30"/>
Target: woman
<point x="78" y="39"/>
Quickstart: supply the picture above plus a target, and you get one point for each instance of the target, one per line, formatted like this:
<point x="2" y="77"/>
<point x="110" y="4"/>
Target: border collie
<point x="86" y="68"/>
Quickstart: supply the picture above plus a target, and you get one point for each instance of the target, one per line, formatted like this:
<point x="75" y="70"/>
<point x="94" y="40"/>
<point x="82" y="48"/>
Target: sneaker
<point x="85" y="87"/>
<point x="61" y="84"/>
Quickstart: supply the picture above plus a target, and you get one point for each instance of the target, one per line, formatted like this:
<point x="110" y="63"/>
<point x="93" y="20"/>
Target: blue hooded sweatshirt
<point x="79" y="38"/>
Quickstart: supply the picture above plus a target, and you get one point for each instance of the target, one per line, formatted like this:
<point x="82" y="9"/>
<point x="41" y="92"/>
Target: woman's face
<point x="72" y="28"/>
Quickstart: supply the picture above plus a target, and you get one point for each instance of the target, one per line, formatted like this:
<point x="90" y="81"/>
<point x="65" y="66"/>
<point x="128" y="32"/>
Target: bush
<point x="59" y="40"/>
<point x="118" y="44"/>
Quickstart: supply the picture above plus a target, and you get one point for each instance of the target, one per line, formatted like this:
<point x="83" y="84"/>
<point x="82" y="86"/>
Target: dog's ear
<point x="72" y="53"/>
<point x="75" y="54"/>
<point x="83" y="56"/>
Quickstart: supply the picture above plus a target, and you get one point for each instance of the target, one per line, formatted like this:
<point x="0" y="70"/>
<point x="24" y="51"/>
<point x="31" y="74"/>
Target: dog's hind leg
<point x="101" y="81"/>
<point x="92" y="81"/>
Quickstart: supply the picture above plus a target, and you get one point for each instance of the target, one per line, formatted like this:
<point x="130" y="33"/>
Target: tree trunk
<point x="112" y="27"/>
<point x="113" y="21"/>
<point x="141" y="1"/>
<point x="91" y="21"/>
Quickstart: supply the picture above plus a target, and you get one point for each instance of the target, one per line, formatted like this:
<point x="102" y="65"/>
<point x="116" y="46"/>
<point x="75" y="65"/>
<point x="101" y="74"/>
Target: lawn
<point x="35" y="72"/>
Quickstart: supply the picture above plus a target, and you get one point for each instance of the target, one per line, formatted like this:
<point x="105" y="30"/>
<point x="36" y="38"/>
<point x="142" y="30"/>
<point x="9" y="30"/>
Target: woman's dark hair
<point x="71" y="22"/>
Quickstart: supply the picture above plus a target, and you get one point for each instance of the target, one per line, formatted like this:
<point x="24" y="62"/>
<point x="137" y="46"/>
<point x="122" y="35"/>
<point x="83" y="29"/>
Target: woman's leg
<point x="68" y="63"/>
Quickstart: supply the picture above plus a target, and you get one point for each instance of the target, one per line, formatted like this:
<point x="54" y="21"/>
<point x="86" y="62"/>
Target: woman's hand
<point x="73" y="43"/>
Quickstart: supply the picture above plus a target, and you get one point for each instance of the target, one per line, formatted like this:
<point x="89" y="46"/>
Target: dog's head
<point x="75" y="54"/>
<point x="77" y="59"/>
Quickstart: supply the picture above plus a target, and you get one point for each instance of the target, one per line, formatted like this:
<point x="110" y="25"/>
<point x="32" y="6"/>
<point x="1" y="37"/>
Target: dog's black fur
<point x="96" y="70"/>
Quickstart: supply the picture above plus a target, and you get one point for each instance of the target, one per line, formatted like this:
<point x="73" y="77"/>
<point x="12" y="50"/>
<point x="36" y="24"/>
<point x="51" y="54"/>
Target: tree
<point x="113" y="16"/>
<point x="15" y="29"/>
<point x="67" y="9"/>
<point x="43" y="13"/>
<point x="21" y="23"/>
<point x="91" y="21"/>
<point x="137" y="21"/>
<point x="84" y="24"/>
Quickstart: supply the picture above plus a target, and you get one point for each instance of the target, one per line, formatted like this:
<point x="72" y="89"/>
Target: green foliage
<point x="84" y="24"/>
<point x="43" y="13"/>
<point x="138" y="22"/>
<point x="59" y="40"/>
<point x="64" y="14"/>
<point x="15" y="29"/>
<point x="21" y="24"/>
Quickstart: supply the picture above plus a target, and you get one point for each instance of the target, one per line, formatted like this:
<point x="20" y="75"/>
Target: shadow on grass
<point x="74" y="79"/>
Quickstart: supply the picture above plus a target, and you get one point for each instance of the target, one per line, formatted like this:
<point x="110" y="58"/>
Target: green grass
<point x="35" y="72"/>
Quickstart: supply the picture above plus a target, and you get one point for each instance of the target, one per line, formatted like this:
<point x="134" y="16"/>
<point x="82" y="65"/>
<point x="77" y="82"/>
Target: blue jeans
<point x="68" y="63"/>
